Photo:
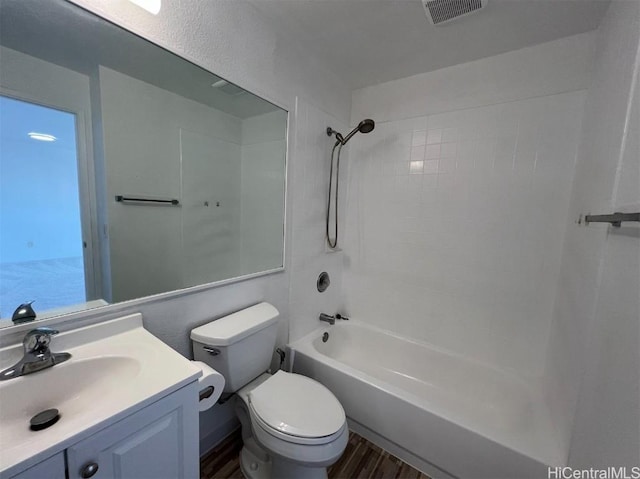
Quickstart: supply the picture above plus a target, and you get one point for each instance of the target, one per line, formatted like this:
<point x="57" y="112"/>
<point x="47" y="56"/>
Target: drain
<point x="325" y="337"/>
<point x="44" y="419"/>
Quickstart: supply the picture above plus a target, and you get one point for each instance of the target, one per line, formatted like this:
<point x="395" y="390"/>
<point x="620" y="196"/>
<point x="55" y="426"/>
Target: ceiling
<point x="372" y="41"/>
<point x="62" y="33"/>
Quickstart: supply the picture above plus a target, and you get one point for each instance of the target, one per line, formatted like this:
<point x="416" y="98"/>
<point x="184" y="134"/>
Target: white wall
<point x="593" y="359"/>
<point x="553" y="67"/>
<point x="458" y="201"/>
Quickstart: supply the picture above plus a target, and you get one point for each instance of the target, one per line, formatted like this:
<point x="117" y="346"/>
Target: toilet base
<point x="289" y="470"/>
<point x="253" y="466"/>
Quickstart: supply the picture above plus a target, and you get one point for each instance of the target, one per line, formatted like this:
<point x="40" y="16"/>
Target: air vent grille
<point x="231" y="89"/>
<point x="228" y="88"/>
<point x="441" y="11"/>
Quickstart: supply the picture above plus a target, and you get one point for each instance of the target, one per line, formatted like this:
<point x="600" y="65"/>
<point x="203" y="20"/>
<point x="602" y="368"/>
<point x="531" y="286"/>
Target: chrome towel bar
<point x="616" y="219"/>
<point x="148" y="201"/>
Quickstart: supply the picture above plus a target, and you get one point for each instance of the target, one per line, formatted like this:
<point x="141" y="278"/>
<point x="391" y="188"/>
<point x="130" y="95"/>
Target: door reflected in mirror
<point x="125" y="170"/>
<point x="40" y="223"/>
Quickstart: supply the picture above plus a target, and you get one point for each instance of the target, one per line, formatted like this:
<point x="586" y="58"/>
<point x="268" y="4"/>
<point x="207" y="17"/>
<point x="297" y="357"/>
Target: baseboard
<point x="213" y="439"/>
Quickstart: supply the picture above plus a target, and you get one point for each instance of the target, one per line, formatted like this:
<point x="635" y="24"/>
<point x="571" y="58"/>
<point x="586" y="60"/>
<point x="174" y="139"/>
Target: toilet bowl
<point x="292" y="426"/>
<point x="297" y="421"/>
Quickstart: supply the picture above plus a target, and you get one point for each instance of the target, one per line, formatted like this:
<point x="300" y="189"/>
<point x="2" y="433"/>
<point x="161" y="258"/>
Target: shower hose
<point x="333" y="243"/>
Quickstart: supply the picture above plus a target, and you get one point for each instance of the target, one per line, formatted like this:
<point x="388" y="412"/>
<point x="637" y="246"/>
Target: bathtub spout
<point x="327" y="318"/>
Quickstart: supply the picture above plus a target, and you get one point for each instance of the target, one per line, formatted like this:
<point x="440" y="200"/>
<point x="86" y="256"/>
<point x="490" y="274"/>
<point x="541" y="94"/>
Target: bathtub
<point x="444" y="414"/>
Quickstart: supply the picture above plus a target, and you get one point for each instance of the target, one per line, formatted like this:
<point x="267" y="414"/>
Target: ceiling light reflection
<point x="41" y="136"/>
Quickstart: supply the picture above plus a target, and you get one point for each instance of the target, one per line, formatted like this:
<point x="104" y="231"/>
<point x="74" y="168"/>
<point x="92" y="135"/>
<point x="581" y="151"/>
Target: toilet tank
<point x="239" y="346"/>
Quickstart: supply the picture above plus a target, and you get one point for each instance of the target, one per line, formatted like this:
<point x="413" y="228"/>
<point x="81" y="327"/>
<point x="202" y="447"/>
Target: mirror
<point x="125" y="170"/>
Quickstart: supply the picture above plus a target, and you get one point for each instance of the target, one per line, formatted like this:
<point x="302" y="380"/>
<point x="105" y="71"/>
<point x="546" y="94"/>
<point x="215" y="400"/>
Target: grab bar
<point x="149" y="201"/>
<point x="616" y="219"/>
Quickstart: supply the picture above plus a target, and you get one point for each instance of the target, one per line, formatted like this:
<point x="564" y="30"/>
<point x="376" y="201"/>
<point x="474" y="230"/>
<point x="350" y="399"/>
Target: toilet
<point x="292" y="426"/>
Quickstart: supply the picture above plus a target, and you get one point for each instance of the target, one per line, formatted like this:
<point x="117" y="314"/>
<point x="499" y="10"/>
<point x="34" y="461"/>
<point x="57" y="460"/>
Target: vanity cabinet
<point x="156" y="442"/>
<point x="52" y="468"/>
<point x="160" y="441"/>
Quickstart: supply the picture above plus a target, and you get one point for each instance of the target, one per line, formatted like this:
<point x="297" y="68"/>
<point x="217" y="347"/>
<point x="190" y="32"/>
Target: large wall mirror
<point x="125" y="170"/>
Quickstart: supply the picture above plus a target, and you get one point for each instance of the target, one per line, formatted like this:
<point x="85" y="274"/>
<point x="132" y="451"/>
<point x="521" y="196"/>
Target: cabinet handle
<point x="88" y="470"/>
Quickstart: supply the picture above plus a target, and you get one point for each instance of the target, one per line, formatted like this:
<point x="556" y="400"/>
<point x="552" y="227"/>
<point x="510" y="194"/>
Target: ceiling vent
<point x="444" y="11"/>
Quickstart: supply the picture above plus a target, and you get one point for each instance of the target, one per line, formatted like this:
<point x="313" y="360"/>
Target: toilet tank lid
<point x="234" y="327"/>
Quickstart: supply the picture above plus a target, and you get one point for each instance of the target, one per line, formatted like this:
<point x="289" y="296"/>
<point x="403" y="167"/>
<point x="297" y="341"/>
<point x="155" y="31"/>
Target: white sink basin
<point x="116" y="368"/>
<point x="74" y="388"/>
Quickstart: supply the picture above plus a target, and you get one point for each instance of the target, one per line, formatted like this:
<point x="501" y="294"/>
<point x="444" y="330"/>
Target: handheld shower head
<point x="365" y="126"/>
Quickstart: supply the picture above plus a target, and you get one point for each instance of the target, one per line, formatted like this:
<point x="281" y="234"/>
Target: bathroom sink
<point x="75" y="388"/>
<point x="116" y="368"/>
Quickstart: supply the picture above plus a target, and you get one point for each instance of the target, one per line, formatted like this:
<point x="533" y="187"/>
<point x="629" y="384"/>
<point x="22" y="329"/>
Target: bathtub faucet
<point x="327" y="318"/>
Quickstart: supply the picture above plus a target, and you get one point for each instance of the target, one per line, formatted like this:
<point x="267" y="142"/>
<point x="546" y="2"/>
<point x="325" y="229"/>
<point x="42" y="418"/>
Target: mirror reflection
<point x="125" y="170"/>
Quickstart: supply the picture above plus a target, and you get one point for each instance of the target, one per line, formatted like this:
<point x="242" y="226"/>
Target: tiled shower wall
<point x="455" y="226"/>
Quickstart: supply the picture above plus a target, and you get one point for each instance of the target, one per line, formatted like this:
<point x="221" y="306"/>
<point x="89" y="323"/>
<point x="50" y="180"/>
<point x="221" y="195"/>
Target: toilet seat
<point x="296" y="409"/>
<point x="306" y="441"/>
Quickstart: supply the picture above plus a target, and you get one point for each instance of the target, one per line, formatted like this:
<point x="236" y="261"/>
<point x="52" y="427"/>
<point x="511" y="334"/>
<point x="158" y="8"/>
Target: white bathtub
<point x="442" y="413"/>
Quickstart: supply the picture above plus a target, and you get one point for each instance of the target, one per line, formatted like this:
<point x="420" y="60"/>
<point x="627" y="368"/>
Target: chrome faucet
<point x="327" y="318"/>
<point x="37" y="355"/>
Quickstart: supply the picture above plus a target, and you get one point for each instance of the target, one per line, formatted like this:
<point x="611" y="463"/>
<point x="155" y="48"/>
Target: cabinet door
<point x="52" y="468"/>
<point x="161" y="441"/>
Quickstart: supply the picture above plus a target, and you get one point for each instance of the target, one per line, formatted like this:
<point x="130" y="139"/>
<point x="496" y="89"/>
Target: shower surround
<point x="458" y="202"/>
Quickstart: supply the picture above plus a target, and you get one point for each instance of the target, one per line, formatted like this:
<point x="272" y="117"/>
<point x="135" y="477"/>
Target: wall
<point x="310" y="254"/>
<point x="553" y="67"/>
<point x="262" y="61"/>
<point x="263" y="153"/>
<point x="593" y="357"/>
<point x="458" y="201"/>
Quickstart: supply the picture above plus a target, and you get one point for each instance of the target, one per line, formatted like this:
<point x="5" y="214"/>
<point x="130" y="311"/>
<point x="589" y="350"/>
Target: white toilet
<point x="292" y="426"/>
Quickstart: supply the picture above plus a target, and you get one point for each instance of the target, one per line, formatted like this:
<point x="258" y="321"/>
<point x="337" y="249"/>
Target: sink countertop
<point x="117" y="367"/>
